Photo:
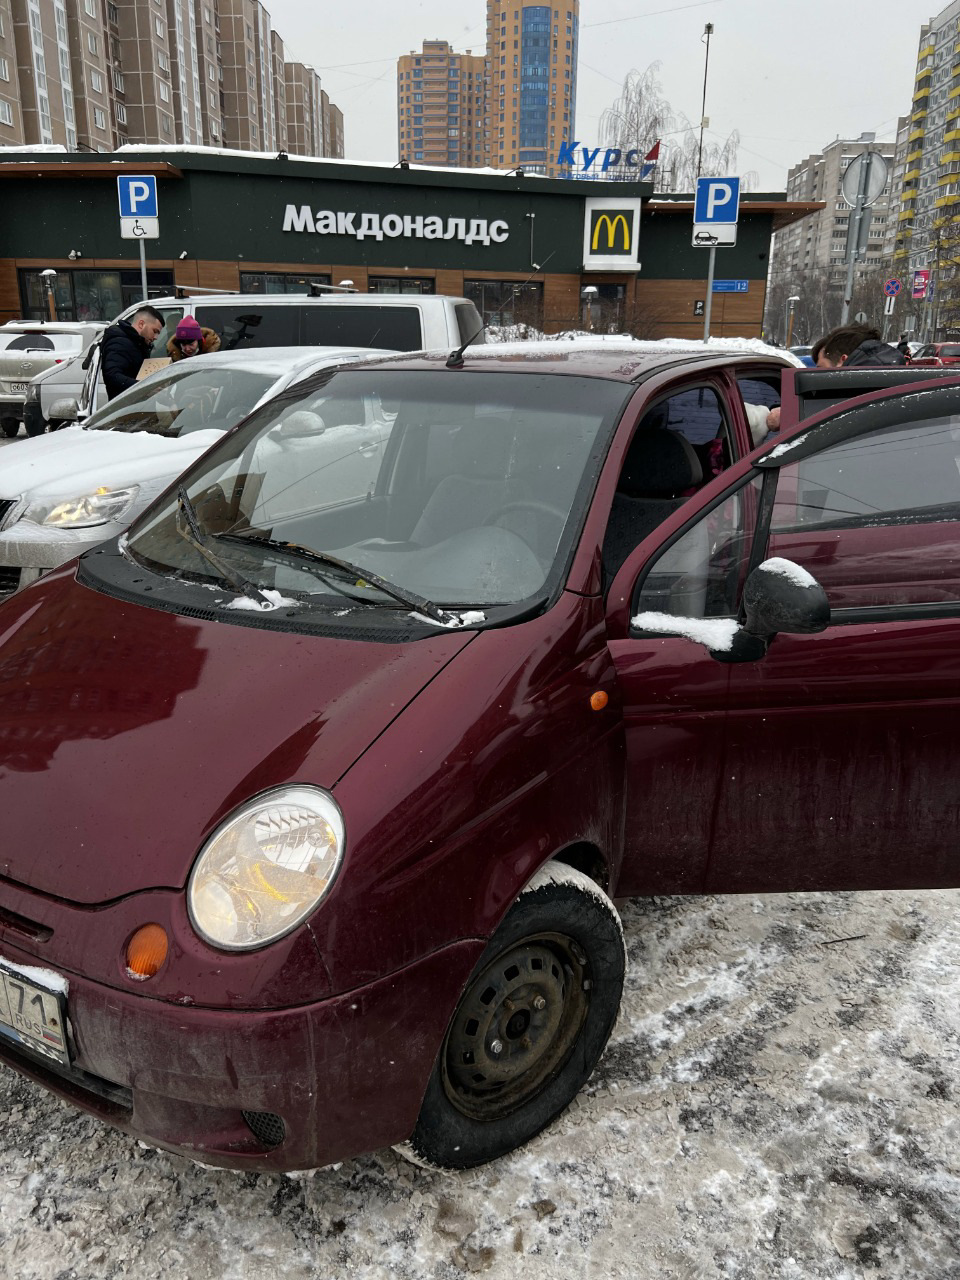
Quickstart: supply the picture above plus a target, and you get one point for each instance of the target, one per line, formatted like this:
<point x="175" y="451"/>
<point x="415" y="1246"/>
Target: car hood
<point x="74" y="462"/>
<point x="127" y="733"/>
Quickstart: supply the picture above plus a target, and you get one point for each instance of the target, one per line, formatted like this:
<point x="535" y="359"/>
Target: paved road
<point x="779" y="1101"/>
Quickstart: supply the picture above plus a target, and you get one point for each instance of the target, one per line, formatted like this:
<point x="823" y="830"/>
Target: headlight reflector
<point x="266" y="867"/>
<point x="85" y="512"/>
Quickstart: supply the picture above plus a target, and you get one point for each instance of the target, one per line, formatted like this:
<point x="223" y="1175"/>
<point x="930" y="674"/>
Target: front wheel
<point x="530" y="1026"/>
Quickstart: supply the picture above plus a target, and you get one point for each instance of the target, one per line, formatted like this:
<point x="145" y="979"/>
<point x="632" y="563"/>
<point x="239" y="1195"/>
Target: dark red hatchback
<point x="318" y="785"/>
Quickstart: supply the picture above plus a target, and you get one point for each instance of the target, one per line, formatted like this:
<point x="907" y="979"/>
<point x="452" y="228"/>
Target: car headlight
<point x="266" y="867"/>
<point x="33" y="393"/>
<point x="85" y="512"/>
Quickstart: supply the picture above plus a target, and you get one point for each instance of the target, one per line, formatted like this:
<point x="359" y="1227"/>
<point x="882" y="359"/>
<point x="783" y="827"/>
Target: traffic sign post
<point x="863" y="180"/>
<point x="139" y="215"/>
<point x="891" y="287"/>
<point x="716" y="207"/>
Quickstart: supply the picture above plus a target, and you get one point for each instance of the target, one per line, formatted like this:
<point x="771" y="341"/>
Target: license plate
<point x="32" y="1015"/>
<point x="18" y="388"/>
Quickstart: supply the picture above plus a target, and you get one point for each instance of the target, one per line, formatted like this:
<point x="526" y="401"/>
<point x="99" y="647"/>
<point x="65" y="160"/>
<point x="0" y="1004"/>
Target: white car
<point x="64" y="493"/>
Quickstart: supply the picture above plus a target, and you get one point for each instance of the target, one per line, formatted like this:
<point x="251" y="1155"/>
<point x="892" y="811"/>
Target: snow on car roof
<point x="280" y="360"/>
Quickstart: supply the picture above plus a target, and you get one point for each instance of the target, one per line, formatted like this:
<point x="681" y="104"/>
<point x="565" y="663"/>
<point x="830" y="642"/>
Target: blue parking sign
<point x="138" y="195"/>
<point x="717" y="201"/>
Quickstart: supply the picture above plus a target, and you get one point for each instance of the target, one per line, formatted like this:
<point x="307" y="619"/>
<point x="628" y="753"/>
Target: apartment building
<point x="931" y="181"/>
<point x="818" y="242"/>
<point x="532" y="94"/>
<point x="92" y="75"/>
<point x="441" y="106"/>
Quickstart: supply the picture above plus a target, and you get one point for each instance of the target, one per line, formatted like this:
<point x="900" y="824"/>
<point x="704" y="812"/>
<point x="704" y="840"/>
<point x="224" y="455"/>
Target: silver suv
<point x="28" y="347"/>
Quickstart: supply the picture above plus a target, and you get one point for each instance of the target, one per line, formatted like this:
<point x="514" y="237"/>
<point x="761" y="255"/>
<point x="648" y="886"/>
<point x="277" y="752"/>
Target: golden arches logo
<point x="618" y="219"/>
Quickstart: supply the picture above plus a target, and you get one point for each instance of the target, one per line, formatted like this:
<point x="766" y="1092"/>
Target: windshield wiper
<point x="401" y="594"/>
<point x="188" y="527"/>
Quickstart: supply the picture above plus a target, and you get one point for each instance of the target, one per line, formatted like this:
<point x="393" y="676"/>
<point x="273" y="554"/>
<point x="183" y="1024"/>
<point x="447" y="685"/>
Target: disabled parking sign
<point x="139" y="215"/>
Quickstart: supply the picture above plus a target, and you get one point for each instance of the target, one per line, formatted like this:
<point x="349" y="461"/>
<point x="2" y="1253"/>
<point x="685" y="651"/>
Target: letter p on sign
<point x="717" y="200"/>
<point x="138" y="195"/>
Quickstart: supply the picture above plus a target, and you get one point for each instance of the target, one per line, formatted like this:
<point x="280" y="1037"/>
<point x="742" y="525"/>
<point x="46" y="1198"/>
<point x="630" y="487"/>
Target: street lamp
<point x="788" y="317"/>
<point x="589" y="293"/>
<point x="49" y="278"/>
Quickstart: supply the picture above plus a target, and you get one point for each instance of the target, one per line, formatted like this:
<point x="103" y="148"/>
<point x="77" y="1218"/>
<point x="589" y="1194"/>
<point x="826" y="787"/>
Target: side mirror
<point x="778" y="596"/>
<point x="65" y="410"/>
<point x="298" y="425"/>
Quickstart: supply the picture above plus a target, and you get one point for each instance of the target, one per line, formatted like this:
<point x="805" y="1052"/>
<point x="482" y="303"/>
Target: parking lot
<point x="779" y="1100"/>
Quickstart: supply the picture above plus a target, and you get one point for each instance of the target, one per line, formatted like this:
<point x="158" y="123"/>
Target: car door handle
<point x="368" y="448"/>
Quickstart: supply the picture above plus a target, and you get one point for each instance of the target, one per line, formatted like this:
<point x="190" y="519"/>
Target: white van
<point x="244" y="321"/>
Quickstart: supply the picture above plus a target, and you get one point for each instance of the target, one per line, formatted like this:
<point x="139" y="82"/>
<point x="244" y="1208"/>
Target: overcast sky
<point x="789" y="76"/>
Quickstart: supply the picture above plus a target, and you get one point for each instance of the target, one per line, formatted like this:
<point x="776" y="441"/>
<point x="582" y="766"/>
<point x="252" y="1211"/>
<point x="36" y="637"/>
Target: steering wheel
<point x="539" y="509"/>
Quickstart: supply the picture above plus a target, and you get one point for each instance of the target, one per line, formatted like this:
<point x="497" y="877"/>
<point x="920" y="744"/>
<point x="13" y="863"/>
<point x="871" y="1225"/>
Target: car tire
<point x="530" y="1026"/>
<point x="10" y="427"/>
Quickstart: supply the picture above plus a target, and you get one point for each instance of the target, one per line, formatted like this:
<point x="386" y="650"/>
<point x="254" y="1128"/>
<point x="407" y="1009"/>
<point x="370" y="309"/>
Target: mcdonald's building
<point x="556" y="254"/>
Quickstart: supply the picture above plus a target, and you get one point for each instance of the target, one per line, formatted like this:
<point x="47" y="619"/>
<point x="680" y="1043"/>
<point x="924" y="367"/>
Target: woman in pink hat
<point x="191" y="340"/>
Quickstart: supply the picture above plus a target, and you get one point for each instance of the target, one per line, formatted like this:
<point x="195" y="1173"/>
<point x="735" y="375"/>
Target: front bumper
<point x="333" y="1079"/>
<point x="28" y="546"/>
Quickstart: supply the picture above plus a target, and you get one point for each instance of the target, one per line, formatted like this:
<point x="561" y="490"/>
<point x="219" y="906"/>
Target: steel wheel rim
<point x="516" y="1026"/>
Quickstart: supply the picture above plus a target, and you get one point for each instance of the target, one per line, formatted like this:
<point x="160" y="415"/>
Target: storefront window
<point x="505" y="302"/>
<point x="278" y="282"/>
<point x="400" y="284"/>
<point x="85" y="294"/>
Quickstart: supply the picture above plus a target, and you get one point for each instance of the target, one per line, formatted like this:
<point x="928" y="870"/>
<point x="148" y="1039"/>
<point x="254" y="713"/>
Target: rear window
<point x="70" y="343"/>
<point x="397" y="328"/>
<point x="952" y="350"/>
<point x="246" y="325"/>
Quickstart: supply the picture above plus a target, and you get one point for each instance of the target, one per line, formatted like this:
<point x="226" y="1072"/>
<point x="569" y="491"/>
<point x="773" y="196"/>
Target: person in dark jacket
<point x="903" y="346"/>
<point x="854" y="346"/>
<point x="125" y="346"/>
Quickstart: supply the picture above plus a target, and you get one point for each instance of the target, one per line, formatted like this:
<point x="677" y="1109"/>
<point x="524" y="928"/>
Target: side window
<point x="171" y="318"/>
<point x="700" y="574"/>
<point x="468" y="322"/>
<point x="876" y="519"/>
<point x="759" y="397"/>
<point x="679" y="444"/>
<point x="245" y="325"/>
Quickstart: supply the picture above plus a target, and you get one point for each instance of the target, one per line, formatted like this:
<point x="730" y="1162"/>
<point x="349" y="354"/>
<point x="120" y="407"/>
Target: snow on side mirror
<point x="777" y="596"/>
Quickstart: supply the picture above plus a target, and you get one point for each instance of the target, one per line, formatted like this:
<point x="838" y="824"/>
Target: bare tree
<point x="641" y="115"/>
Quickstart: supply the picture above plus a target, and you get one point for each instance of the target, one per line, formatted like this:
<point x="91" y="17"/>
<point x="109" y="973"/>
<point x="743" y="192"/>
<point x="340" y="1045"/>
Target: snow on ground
<point x="779" y="1100"/>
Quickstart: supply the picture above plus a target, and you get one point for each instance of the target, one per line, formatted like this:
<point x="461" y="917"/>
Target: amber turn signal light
<point x="146" y="951"/>
<point x="598" y="700"/>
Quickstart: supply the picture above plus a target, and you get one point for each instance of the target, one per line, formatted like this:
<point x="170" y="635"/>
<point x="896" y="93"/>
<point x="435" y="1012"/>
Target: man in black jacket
<point x="125" y="346"/>
<point x="854" y="346"/>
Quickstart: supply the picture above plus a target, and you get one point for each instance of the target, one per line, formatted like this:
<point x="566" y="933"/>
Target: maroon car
<point x="938" y="355"/>
<point x="317" y="786"/>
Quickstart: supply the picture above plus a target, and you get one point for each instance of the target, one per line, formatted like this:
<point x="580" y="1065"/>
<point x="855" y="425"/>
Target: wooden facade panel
<point x="666" y="308"/>
<point x="561" y="303"/>
<point x="219" y="275"/>
<point x="450" y="283"/>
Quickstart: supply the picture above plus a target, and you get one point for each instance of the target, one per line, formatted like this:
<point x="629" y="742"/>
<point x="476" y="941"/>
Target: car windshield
<point x="460" y="487"/>
<point x="193" y="396"/>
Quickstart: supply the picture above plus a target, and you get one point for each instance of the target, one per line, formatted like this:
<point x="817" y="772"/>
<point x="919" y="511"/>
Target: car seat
<point x="469" y="497"/>
<point x="659" y="469"/>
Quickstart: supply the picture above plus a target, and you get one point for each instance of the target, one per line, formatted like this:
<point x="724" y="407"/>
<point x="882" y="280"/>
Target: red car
<point x="937" y="355"/>
<point x="317" y="789"/>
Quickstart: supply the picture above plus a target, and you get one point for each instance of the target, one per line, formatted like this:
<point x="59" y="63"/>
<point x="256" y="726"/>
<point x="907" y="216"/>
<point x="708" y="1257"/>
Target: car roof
<point x="52" y="326"/>
<point x="278" y="360"/>
<point x="325" y="299"/>
<point x="617" y="359"/>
